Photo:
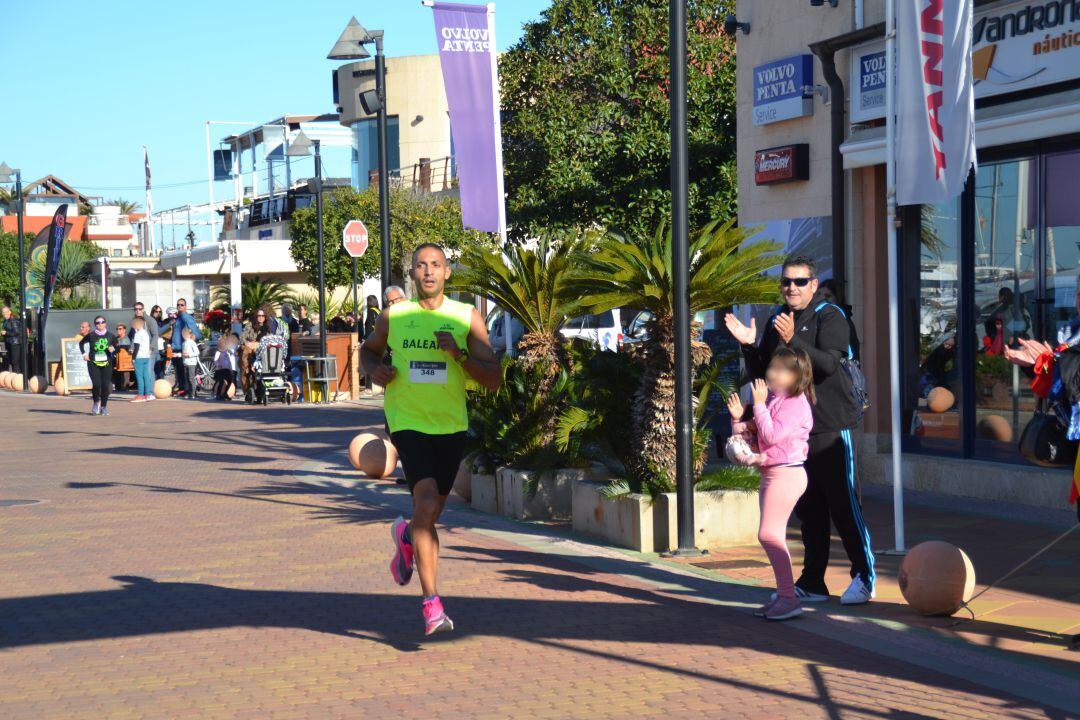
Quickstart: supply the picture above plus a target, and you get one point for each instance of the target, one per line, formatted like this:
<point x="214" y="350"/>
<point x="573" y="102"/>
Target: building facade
<point x="995" y="265"/>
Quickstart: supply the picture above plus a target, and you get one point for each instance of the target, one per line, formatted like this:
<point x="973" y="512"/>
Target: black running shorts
<point x="430" y="456"/>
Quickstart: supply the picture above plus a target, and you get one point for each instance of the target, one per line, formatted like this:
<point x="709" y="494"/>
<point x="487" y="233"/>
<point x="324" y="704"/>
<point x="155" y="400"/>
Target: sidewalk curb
<point x="1024" y="677"/>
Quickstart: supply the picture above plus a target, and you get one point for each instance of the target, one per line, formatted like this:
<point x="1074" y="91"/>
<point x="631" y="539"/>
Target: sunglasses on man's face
<point x="797" y="282"/>
<point x="99" y="322"/>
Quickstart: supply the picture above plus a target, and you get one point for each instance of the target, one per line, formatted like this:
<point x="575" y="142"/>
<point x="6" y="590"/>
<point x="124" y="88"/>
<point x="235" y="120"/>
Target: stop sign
<point x="354" y="238"/>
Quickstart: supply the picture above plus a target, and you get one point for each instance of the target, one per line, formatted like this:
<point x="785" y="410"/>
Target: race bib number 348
<point x="432" y="373"/>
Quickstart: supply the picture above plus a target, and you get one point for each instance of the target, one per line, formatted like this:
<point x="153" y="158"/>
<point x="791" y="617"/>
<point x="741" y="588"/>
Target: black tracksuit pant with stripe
<point x="832" y="494"/>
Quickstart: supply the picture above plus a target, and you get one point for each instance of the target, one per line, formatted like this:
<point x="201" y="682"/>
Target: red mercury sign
<point x="354" y="238"/>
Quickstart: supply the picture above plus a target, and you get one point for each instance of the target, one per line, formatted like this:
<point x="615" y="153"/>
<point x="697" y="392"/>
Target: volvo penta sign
<point x="1014" y="46"/>
<point x="783" y="89"/>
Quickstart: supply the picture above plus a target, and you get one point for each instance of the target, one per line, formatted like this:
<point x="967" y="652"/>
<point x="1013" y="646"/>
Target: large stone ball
<point x="5" y="379"/>
<point x="995" y="427"/>
<point x="162" y="389"/>
<point x="940" y="399"/>
<point x="936" y="578"/>
<point x="39" y="384"/>
<point x="372" y="455"/>
<point x="60" y="386"/>
<point x="231" y="391"/>
<point x="15" y="382"/>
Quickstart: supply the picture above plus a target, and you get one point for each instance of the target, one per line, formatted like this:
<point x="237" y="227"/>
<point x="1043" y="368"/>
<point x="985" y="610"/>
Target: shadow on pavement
<point x="143" y="606"/>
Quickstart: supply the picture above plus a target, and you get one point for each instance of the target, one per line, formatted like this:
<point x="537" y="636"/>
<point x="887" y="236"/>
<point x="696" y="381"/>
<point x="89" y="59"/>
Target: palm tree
<point x="73" y="271"/>
<point x="254" y="291"/>
<point x="725" y="270"/>
<point x="531" y="285"/>
<point x="126" y="206"/>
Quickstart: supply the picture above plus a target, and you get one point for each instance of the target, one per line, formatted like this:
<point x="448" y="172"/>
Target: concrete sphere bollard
<point x="60" y="386"/>
<point x="995" y="427"/>
<point x="39" y="384"/>
<point x="15" y="382"/>
<point x="940" y="399"/>
<point x="162" y="389"/>
<point x="231" y="392"/>
<point x="5" y="378"/>
<point x="372" y="455"/>
<point x="936" y="578"/>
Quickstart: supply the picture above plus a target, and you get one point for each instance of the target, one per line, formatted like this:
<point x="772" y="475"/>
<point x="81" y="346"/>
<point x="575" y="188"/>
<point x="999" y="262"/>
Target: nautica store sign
<point x="1015" y="46"/>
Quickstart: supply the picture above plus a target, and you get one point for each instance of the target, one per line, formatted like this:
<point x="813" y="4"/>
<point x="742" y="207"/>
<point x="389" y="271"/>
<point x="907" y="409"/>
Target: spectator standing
<point x="392" y="296"/>
<point x="225" y="367"/>
<point x="372" y="314"/>
<point x="98" y="348"/>
<point x="11" y="329"/>
<point x="149" y="321"/>
<point x="184" y="321"/>
<point x="810" y="323"/>
<point x="189" y="353"/>
<point x="304" y="321"/>
<point x="84" y="329"/>
<point x="236" y="326"/>
<point x="121" y="374"/>
<point x="289" y="319"/>
<point x="143" y="351"/>
<point x="158" y="353"/>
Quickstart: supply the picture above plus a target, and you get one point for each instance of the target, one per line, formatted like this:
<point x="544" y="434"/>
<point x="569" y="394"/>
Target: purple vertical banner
<point x="466" y="37"/>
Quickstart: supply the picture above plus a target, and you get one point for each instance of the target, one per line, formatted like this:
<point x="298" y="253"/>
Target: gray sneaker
<point x="760" y="612"/>
<point x="784" y="608"/>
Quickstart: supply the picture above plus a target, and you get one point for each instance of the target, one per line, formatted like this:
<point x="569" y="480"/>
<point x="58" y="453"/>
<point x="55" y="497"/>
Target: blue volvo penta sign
<point x="783" y="89"/>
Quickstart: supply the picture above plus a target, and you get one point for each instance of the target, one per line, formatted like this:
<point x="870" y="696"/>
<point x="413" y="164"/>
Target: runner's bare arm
<point x="374" y="349"/>
<point x="482" y="363"/>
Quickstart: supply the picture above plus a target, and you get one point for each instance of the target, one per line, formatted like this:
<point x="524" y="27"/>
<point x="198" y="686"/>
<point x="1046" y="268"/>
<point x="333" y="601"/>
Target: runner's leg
<point x="427" y="507"/>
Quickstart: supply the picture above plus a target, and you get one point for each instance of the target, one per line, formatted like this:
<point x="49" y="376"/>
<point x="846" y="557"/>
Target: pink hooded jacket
<point x="783" y="429"/>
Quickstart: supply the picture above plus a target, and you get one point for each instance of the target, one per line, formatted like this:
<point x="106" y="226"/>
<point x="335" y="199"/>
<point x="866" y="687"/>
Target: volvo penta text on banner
<point x="466" y="36"/>
<point x="935" y="104"/>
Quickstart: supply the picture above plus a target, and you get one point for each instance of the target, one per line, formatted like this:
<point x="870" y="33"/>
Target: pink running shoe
<point x="435" y="618"/>
<point x="401" y="566"/>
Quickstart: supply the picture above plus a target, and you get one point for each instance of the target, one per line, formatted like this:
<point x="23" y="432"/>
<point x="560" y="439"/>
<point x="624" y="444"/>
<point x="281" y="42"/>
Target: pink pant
<point x="781" y="488"/>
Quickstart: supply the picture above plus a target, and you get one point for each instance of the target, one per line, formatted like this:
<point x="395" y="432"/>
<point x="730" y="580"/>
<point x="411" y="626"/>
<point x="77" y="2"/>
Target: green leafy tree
<point x="126" y="206"/>
<point x="9" y="266"/>
<point x="254" y="291"/>
<point x="586" y="116"/>
<point x="635" y="271"/>
<point x="415" y="218"/>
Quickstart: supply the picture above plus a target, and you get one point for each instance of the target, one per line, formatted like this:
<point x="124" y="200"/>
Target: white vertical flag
<point x="935" y="103"/>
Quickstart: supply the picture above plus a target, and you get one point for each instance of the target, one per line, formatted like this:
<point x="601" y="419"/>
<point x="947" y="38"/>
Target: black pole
<point x="384" y="162"/>
<point x="680" y="266"/>
<point x="322" y="276"/>
<point x="355" y="304"/>
<point x="24" y="342"/>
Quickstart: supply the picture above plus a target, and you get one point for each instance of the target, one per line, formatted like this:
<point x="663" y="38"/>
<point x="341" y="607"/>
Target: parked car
<point x="603" y="330"/>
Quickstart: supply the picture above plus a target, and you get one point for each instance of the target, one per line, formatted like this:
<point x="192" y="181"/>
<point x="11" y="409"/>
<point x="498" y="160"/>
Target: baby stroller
<point x="269" y="378"/>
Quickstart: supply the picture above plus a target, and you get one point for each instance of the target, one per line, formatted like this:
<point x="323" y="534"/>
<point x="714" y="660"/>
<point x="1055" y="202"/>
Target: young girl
<point x="190" y="351"/>
<point x="783" y="420"/>
<point x="224" y="366"/>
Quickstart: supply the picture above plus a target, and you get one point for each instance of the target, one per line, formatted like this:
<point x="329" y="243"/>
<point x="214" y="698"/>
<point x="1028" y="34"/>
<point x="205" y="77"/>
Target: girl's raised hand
<point x="760" y="391"/>
<point x="735" y="406"/>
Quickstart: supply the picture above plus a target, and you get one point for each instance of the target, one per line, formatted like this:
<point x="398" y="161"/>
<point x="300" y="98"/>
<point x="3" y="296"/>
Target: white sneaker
<point x="804" y="596"/>
<point x="857" y="593"/>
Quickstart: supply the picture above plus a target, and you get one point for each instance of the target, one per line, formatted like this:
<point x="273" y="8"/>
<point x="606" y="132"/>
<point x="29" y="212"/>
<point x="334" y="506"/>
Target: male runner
<point x="434" y="341"/>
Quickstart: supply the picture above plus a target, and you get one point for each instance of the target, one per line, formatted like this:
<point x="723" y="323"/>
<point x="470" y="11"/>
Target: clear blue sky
<point x="88" y="84"/>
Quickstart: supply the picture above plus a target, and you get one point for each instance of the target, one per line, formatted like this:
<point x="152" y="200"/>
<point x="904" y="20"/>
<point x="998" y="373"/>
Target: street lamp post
<point x="350" y="46"/>
<point x="301" y="147"/>
<point x="680" y="270"/>
<point x="5" y="177"/>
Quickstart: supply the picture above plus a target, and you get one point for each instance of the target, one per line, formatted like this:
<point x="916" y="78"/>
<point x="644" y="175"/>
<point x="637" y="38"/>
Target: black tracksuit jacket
<point x="825" y="336"/>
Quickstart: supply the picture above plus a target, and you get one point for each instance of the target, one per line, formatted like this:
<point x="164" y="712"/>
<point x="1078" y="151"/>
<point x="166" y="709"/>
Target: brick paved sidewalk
<point x="204" y="560"/>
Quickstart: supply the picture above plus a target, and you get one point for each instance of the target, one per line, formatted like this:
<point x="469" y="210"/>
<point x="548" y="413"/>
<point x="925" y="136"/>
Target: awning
<point x="1021" y="121"/>
<point x="210" y="252"/>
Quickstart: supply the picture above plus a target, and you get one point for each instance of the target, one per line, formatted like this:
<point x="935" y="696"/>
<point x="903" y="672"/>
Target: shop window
<point x="980" y="274"/>
<point x="934" y="388"/>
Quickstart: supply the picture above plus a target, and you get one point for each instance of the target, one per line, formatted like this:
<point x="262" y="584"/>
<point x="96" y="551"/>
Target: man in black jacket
<point x="810" y="322"/>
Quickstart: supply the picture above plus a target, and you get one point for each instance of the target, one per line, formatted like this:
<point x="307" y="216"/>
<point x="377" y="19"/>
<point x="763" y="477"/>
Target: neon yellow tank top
<point x="428" y="393"/>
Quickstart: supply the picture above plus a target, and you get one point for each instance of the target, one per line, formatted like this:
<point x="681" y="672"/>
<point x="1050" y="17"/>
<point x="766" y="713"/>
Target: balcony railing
<point x="428" y="175"/>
